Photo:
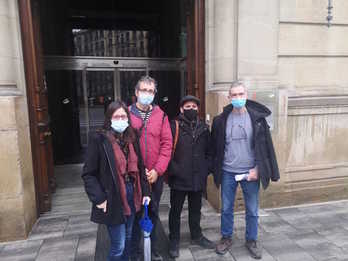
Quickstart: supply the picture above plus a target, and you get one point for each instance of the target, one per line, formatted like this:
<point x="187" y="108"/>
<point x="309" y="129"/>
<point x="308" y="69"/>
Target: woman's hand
<point x="103" y="206"/>
<point x="146" y="199"/>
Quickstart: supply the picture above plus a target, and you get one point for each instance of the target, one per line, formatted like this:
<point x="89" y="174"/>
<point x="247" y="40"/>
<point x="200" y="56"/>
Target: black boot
<point x="155" y="256"/>
<point x="203" y="242"/>
<point x="173" y="249"/>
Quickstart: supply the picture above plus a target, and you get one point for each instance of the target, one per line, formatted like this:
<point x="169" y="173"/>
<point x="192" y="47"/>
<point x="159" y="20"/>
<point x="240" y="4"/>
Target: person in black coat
<point x="243" y="154"/>
<point x="114" y="178"/>
<point x="188" y="171"/>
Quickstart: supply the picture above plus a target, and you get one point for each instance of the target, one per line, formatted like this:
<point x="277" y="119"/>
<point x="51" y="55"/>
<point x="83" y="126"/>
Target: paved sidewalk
<point x="301" y="233"/>
<point x="64" y="233"/>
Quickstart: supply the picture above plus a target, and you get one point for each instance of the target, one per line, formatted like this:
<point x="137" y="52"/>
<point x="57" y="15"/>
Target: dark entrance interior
<point x="107" y="29"/>
<point x="80" y="55"/>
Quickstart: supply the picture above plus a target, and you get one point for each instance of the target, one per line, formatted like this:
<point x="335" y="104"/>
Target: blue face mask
<point x="145" y="99"/>
<point x="238" y="103"/>
<point x="119" y="125"/>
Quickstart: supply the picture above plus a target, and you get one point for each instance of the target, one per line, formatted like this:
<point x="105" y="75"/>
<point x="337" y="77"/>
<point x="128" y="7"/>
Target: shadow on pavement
<point x="103" y="243"/>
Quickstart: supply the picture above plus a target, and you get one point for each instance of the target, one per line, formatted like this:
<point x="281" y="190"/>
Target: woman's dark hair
<point x="129" y="133"/>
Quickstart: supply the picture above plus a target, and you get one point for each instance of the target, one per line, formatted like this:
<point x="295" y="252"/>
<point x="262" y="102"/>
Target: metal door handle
<point x="47" y="133"/>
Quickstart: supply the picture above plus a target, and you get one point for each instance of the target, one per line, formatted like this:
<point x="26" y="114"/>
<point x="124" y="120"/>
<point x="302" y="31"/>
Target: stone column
<point x="258" y="29"/>
<point x="242" y="43"/>
<point x="17" y="190"/>
<point x="221" y="44"/>
<point x="221" y="63"/>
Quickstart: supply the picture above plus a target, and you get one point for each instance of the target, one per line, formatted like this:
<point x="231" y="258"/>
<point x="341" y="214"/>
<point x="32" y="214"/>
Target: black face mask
<point x="191" y="114"/>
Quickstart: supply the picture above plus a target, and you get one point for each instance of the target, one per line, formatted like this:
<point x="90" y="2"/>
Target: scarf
<point x="127" y="167"/>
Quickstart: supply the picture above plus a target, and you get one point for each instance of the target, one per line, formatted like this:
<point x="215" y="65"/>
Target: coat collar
<point x="134" y="110"/>
<point x="186" y="125"/>
<point x="257" y="110"/>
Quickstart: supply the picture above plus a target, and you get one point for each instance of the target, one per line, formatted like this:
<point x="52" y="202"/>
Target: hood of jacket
<point x="257" y="109"/>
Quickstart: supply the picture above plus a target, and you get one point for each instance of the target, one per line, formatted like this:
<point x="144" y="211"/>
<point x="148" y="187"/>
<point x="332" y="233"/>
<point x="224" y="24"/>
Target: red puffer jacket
<point x="155" y="138"/>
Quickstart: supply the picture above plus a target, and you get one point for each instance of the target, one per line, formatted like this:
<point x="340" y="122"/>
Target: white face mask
<point x="145" y="98"/>
<point x="119" y="125"/>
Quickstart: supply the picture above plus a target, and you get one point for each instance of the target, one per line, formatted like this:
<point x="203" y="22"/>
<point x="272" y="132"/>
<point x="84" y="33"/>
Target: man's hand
<point x="102" y="206"/>
<point x="151" y="175"/>
<point x="146" y="199"/>
<point x="253" y="174"/>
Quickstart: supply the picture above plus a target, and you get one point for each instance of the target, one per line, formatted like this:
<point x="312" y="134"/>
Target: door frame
<point x="37" y="104"/>
<point x="40" y="134"/>
<point x="195" y="63"/>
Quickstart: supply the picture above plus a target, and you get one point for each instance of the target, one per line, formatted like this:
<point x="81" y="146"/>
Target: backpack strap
<point x="175" y="137"/>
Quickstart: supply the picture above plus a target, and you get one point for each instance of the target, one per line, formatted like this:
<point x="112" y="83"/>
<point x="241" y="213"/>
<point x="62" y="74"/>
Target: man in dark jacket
<point x="242" y="153"/>
<point x="188" y="173"/>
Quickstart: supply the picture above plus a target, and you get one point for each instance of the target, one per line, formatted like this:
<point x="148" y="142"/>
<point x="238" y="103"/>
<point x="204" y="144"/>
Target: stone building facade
<point x="288" y="58"/>
<point x="17" y="189"/>
<point x="293" y="61"/>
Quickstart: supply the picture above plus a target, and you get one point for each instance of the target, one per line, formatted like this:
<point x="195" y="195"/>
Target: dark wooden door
<point x="195" y="23"/>
<point x="37" y="104"/>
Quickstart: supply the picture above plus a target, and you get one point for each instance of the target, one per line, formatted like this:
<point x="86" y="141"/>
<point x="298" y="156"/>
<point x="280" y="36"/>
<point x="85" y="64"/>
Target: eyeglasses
<point x="149" y="91"/>
<point x="120" y="117"/>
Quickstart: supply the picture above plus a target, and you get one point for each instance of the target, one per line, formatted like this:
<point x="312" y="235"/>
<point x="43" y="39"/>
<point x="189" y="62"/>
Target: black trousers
<point x="177" y="199"/>
<point x="156" y="193"/>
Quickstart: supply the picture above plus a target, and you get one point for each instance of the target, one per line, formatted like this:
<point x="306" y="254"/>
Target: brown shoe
<point x="254" y="249"/>
<point x="223" y="246"/>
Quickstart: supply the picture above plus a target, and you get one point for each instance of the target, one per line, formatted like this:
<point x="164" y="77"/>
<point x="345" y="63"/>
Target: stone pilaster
<point x="17" y="190"/>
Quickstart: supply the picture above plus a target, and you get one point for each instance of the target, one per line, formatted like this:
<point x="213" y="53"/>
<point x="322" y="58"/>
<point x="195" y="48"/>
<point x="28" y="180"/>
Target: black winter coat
<point x="189" y="167"/>
<point x="101" y="183"/>
<point x="262" y="142"/>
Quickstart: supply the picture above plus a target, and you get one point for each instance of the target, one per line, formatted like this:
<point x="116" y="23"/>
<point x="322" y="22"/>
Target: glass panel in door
<point x="100" y="93"/>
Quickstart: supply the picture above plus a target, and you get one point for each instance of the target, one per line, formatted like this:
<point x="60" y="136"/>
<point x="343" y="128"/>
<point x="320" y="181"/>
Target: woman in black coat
<point x="114" y="178"/>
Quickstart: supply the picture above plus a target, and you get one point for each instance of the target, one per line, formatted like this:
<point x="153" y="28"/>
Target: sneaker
<point x="203" y="242"/>
<point x="223" y="246"/>
<point x="155" y="256"/>
<point x="254" y="249"/>
<point x="173" y="249"/>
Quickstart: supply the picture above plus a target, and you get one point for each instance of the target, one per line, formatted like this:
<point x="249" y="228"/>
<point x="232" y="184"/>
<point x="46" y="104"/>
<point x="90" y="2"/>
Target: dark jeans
<point x="120" y="235"/>
<point x="177" y="199"/>
<point x="156" y="193"/>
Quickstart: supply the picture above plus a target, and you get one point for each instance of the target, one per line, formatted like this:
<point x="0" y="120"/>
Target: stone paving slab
<point x="337" y="235"/>
<point x="308" y="232"/>
<point x="65" y="232"/>
<point x="185" y="255"/>
<point x="47" y="228"/>
<point x="58" y="249"/>
<point x="316" y="232"/>
<point x="326" y="250"/>
<point x="240" y="253"/>
<point x="86" y="247"/>
<point x="20" y="250"/>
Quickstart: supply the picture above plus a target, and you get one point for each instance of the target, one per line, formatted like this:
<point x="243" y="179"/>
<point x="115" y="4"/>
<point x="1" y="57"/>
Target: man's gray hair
<point x="147" y="80"/>
<point x="235" y="84"/>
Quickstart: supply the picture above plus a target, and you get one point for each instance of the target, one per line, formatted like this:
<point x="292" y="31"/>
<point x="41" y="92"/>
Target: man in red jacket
<point x="156" y="148"/>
